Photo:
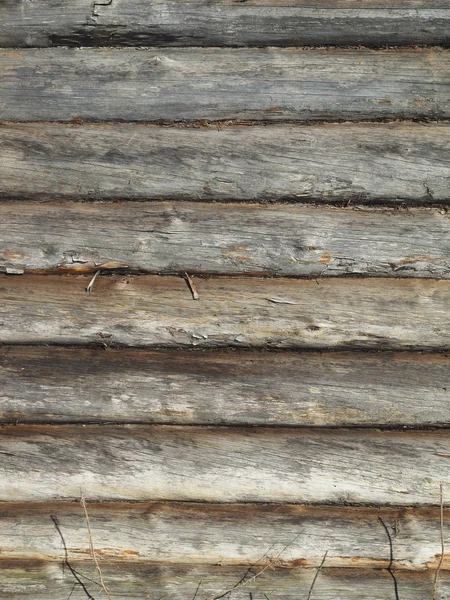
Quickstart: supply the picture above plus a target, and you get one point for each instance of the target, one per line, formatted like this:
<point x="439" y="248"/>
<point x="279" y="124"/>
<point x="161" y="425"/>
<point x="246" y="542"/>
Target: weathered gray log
<point x="281" y="240"/>
<point x="151" y="311"/>
<point x="226" y="534"/>
<point x="50" y="384"/>
<point x="155" y="462"/>
<point x="215" y="84"/>
<point x="368" y="162"/>
<point x="41" y="581"/>
<point x="203" y="23"/>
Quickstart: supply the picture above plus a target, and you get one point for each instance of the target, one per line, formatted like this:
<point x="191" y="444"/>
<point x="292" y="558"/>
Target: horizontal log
<point x="40" y="581"/>
<point x="51" y="384"/>
<point x="226" y="534"/>
<point x="216" y="84"/>
<point x="202" y="23"/>
<point x="160" y="311"/>
<point x="134" y="462"/>
<point x="250" y="239"/>
<point x="370" y="162"/>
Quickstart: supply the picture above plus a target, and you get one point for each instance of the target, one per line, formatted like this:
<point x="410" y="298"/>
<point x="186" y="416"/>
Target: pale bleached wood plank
<point x="41" y="581"/>
<point x="226" y="534"/>
<point x="160" y="311"/>
<point x="281" y="240"/>
<point x="216" y="84"/>
<point x="44" y="463"/>
<point x="259" y="388"/>
<point x="366" y="162"/>
<point x="223" y="23"/>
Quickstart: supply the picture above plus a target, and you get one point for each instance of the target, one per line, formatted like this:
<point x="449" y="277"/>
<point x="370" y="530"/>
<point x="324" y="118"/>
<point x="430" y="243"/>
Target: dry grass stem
<point x="91" y="548"/>
<point x="317" y="575"/>
<point x="243" y="581"/>
<point x="441" y="560"/>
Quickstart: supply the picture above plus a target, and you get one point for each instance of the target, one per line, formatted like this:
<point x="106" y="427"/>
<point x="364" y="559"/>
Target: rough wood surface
<point x="368" y="162"/>
<point x="54" y="384"/>
<point x="157" y="462"/>
<point x="226" y="534"/>
<point x="151" y="310"/>
<point x="215" y="84"/>
<point x="223" y="22"/>
<point x="281" y="240"/>
<point x="41" y="581"/>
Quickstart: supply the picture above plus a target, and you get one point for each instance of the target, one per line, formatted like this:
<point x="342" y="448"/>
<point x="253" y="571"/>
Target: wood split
<point x="191" y="287"/>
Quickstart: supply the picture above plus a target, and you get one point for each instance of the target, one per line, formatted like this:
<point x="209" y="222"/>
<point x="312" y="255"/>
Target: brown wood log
<point x="224" y="22"/>
<point x="249" y="239"/>
<point x="193" y="84"/>
<point x="41" y="580"/>
<point x="397" y="314"/>
<point x="337" y="466"/>
<point x="51" y="384"/>
<point x="183" y="533"/>
<point x="341" y="162"/>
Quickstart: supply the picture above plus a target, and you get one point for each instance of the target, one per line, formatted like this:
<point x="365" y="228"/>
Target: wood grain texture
<point x="202" y="23"/>
<point x="151" y="310"/>
<point x="156" y="462"/>
<point x="51" y="384"/>
<point x="249" y="239"/>
<point x="366" y="163"/>
<point x="226" y="534"/>
<point x="215" y="84"/>
<point x="41" y="581"/>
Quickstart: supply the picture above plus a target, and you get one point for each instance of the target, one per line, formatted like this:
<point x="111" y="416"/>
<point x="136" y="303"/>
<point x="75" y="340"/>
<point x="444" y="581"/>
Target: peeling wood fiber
<point x="47" y="463"/>
<point x="396" y="314"/>
<point x="223" y="23"/>
<point x="51" y="384"/>
<point x="215" y="84"/>
<point x="235" y="239"/>
<point x="344" y="162"/>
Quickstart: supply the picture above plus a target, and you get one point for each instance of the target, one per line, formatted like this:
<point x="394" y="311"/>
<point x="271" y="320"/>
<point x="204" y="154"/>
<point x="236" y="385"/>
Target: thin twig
<point x="441" y="560"/>
<point x="91" y="546"/>
<point x="72" y="590"/>
<point x="66" y="559"/>
<point x="91" y="283"/>
<point x="317" y="575"/>
<point x="192" y="287"/>
<point x="243" y="580"/>
<point x="391" y="558"/>
<point x="198" y="587"/>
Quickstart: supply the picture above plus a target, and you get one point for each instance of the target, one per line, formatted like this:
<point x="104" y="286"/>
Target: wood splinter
<point x="91" y="283"/>
<point x="11" y="271"/>
<point x="192" y="287"/>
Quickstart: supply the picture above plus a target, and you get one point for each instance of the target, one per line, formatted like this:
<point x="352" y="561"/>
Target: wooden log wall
<point x="224" y="299"/>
